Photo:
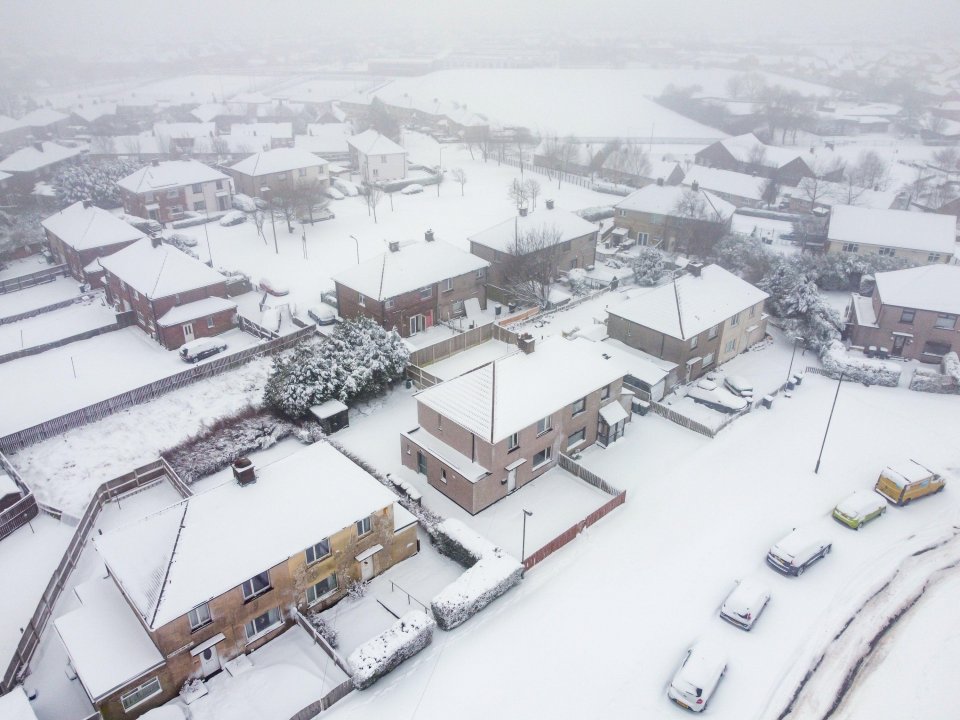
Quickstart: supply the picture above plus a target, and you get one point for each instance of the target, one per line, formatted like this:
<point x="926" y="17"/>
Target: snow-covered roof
<point x="41" y="117"/>
<point x="193" y="310"/>
<point x="280" y="130"/>
<point x="277" y="161"/>
<point x="173" y="560"/>
<point x="184" y="129"/>
<point x="95" y="111"/>
<point x="169" y="174"/>
<point x="470" y="471"/>
<point x="641" y="365"/>
<point x="664" y="199"/>
<point x="661" y="169"/>
<point x="830" y="194"/>
<point x="746" y="148"/>
<point x="7" y="485"/>
<point x="29" y="158"/>
<point x="7" y="124"/>
<point x="16" y="706"/>
<point x="928" y="287"/>
<point x="514" y="392"/>
<point x="691" y="305"/>
<point x="5" y="176"/>
<point x="209" y="111"/>
<point x="930" y="232"/>
<point x="503" y="236"/>
<point x="106" y="643"/>
<point x="161" y="271"/>
<point x="327" y="409"/>
<point x="83" y="228"/>
<point x="410" y="268"/>
<point x="329" y="137"/>
<point x="370" y="142"/>
<point x="863" y="307"/>
<point x="725" y="181"/>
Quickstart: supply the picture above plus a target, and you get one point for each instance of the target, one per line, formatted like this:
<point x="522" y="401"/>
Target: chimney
<point x="244" y="472"/>
<point x="526" y="343"/>
<point x="523" y="212"/>
<point x="155" y="162"/>
<point x="87" y="204"/>
<point x="695" y="269"/>
<point x="394" y="246"/>
<point x="156" y="240"/>
<point x="428" y="236"/>
<point x="660" y="182"/>
<point x="695" y="186"/>
<point x="39" y="146"/>
<point x="549" y="204"/>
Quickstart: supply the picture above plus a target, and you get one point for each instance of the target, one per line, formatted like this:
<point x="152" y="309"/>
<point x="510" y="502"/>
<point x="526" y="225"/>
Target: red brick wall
<point x="172" y="337"/>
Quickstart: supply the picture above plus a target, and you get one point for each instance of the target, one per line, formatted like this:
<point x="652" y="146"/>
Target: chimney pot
<point x="156" y="240"/>
<point x="526" y="343"/>
<point x="244" y="472"/>
<point x="394" y="246"/>
<point x="660" y="182"/>
<point x="38" y="146"/>
<point x="695" y="269"/>
<point x="87" y="204"/>
<point x="695" y="186"/>
<point x="428" y="236"/>
<point x="549" y="204"/>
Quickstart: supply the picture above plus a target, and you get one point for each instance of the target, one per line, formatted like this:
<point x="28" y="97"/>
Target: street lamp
<point x="357" y="245"/>
<point x="829" y="420"/>
<point x="523" y="543"/>
<point x="273" y="223"/>
<point x="790" y="369"/>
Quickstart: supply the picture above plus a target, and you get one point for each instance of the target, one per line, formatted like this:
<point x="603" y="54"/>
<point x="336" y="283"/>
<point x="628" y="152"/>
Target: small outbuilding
<point x="332" y="415"/>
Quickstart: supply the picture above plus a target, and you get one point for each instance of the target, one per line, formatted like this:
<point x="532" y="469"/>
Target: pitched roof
<point x="725" y="181"/>
<point x="29" y="158"/>
<point x="928" y="287"/>
<point x="280" y="130"/>
<point x="930" y="232"/>
<point x="169" y="174"/>
<point x="195" y="310"/>
<point x="171" y="561"/>
<point x="663" y="200"/>
<point x="158" y="272"/>
<point x="745" y="148"/>
<point x="370" y="142"/>
<point x="509" y="394"/>
<point x="83" y="228"/>
<point x="276" y="161"/>
<point x="691" y="305"/>
<point x="503" y="235"/>
<point x="184" y="129"/>
<point x="94" y="111"/>
<point x="41" y="117"/>
<point x="410" y="268"/>
<point x="7" y="124"/>
<point x="327" y="137"/>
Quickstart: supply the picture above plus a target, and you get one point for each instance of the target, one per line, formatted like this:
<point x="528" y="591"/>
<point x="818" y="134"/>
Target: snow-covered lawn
<point x="23" y="266"/>
<point x="51" y="326"/>
<point x="38" y="296"/>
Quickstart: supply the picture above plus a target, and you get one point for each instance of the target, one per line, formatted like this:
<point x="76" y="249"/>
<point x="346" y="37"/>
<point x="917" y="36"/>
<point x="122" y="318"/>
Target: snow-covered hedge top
<point x="865" y="370"/>
<point x="491" y="572"/>
<point x="951" y="365"/>
<point x="370" y="657"/>
<point x="472" y="542"/>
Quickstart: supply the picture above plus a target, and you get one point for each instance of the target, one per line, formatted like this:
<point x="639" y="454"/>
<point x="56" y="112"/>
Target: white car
<point x="738" y="385"/>
<point x="201" y="348"/>
<point x="412" y="189"/>
<point x="745" y="603"/>
<point x="273" y="288"/>
<point x="346" y="187"/>
<point x="698" y="677"/>
<point x="234" y="217"/>
<point x="243" y="202"/>
<point x="718" y="398"/>
<point x="322" y="314"/>
<point x="334" y="194"/>
<point x="797" y="551"/>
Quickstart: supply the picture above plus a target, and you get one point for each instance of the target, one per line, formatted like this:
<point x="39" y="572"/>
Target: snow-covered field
<point x="38" y="296"/>
<point x="51" y="326"/>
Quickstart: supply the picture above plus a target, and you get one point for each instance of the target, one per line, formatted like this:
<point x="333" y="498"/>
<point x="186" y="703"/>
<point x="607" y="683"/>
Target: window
<point x="302" y="172"/>
<point x="262" y="623"/>
<point x="514" y="442"/>
<point x="210" y="323"/>
<point x="945" y="321"/>
<point x="361" y="300"/>
<point x="448" y="285"/>
<point x="257" y="585"/>
<point x="730" y="346"/>
<point x="694" y="341"/>
<point x="886" y="252"/>
<point x="543" y="425"/>
<point x="197" y="189"/>
<point x="714" y="331"/>
<point x="541" y="458"/>
<point x="426" y="292"/>
<point x="318" y="551"/>
<point x="136" y="295"/>
<point x="281" y="176"/>
<point x="172" y="193"/>
<point x="642" y="238"/>
<point x="383" y="158"/>
<point x="933" y="258"/>
<point x="219" y="184"/>
<point x="322" y="589"/>
<point x="565" y="246"/>
<point x="201" y="205"/>
<point x="850" y="247"/>
<point x="140" y="320"/>
<point x="579" y="406"/>
<point x="753" y="311"/>
<point x="199" y="616"/>
<point x="938" y="349"/>
<point x="363" y="526"/>
<point x="443" y="474"/>
<point x="480" y="273"/>
<point x="907" y="315"/>
<point x="708" y="360"/>
<point x="136" y="696"/>
<point x="388" y="304"/>
<point x="735" y="320"/>
<point x="622" y="213"/>
<point x="605" y="393"/>
<point x="576" y="438"/>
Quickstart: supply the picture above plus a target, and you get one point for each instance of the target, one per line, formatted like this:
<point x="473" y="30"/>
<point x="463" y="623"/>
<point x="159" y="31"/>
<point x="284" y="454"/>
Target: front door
<point x="209" y="661"/>
<point x="511" y="480"/>
<point x="898" y="342"/>
<point x="187" y="332"/>
<point x="366" y="568"/>
<point x="421" y="463"/>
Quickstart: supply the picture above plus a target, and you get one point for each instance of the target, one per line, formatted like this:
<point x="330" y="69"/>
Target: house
<point x="488" y="432"/>
<point x="280" y="133"/>
<point x="673" y="217"/>
<point x="913" y="313"/>
<point x="700" y="320"/>
<point x="618" y="169"/>
<point x="37" y="162"/>
<point x="164" y="191"/>
<point x="180" y="137"/>
<point x="176" y="298"/>
<point x="746" y="154"/>
<point x="328" y="140"/>
<point x="46" y="123"/>
<point x="736" y="188"/>
<point x="813" y="193"/>
<point x="12" y="134"/>
<point x="82" y="232"/>
<point x="562" y="239"/>
<point x="412" y="287"/>
<point x="98" y="118"/>
<point x="219" y="574"/>
<point x="377" y="157"/>
<point x="921" y="238"/>
<point x="258" y="174"/>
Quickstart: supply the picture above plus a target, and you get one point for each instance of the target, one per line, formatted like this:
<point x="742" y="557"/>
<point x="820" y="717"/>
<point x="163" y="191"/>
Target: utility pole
<point x="829" y="420"/>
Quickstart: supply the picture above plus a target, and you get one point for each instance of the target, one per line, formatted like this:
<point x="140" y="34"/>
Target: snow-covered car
<point x="346" y="187"/>
<point x="738" y="385"/>
<point x="150" y="227"/>
<point x="718" y="398"/>
<point x="273" y="288"/>
<point x="858" y="509"/>
<point x="334" y="194"/>
<point x="322" y="314"/>
<point x="745" y="603"/>
<point x="695" y="682"/>
<point x="797" y="551"/>
<point x="244" y="202"/>
<point x="181" y="240"/>
<point x="820" y="211"/>
<point x="319" y="214"/>
<point x="412" y="189"/>
<point x="201" y="348"/>
<point x="234" y="217"/>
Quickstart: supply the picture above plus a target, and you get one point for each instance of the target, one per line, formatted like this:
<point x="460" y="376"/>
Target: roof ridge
<point x="173" y="552"/>
<point x="156" y="282"/>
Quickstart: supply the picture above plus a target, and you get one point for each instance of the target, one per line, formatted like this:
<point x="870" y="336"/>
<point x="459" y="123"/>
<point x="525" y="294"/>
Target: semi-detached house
<point x="165" y="191"/>
<point x="377" y="157"/>
<point x="269" y="171"/>
<point x="921" y="238"/>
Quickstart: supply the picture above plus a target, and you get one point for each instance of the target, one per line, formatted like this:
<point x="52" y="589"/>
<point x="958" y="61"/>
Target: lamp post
<point x="357" y="245"/>
<point x="790" y="369"/>
<point x="273" y="223"/>
<point x="829" y="420"/>
<point x="523" y="542"/>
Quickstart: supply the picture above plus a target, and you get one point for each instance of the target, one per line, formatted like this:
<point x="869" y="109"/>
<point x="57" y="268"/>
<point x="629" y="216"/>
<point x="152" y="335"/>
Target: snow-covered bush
<point x="94" y="180"/>
<point x="356" y="589"/>
<point x="612" y="188"/>
<point x="488" y="579"/>
<point x="458" y="542"/>
<point x="381" y="654"/>
<point x="648" y="268"/>
<point x="865" y="370"/>
<point x="323" y="628"/>
<point x="946" y="382"/>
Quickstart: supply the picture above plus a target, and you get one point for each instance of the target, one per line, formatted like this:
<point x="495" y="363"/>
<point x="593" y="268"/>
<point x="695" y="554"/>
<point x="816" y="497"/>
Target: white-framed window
<point x="514" y="442"/>
<point x="262" y="624"/>
<point x="281" y="176"/>
<point x="708" y="360"/>
<point x="364" y="527"/>
<point x="694" y="341"/>
<point x="735" y="320"/>
<point x="200" y="205"/>
<point x="886" y="252"/>
<point x="383" y="158"/>
<point x="426" y="292"/>
<point x="945" y="321"/>
<point x="579" y="406"/>
<point x="934" y="257"/>
<point x="210" y="323"/>
<point x="605" y="393"/>
<point x="388" y="304"/>
<point x="542" y="457"/>
<point x="714" y="331"/>
<point x="907" y="315"/>
<point x="576" y="438"/>
<point x="323" y="589"/>
<point x="443" y="474"/>
<point x="139" y="694"/>
<point x="361" y="300"/>
<point x="622" y="213"/>
<point x="730" y="346"/>
<point x="219" y="184"/>
<point x="544" y="425"/>
<point x="257" y="585"/>
<point x="199" y="616"/>
<point x="318" y="551"/>
<point x="448" y="285"/>
<point x="753" y="310"/>
<point x="850" y="248"/>
<point x="642" y="238"/>
<point x="173" y="193"/>
<point x="197" y="188"/>
<point x="302" y="172"/>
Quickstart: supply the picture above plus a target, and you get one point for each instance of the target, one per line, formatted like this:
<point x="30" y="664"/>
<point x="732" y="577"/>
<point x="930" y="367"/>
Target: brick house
<point x="219" y="574"/>
<point x="921" y="238"/>
<point x="377" y="157"/>
<point x="164" y="191"/>
<point x="700" y="320"/>
<point x="412" y="287"/>
<point x="269" y="170"/>
<point x="279" y="134"/>
<point x="488" y="432"/>
<point x="913" y="313"/>
<point x="746" y="154"/>
<point x="47" y="123"/>
<point x="38" y="161"/>
<point x="176" y="297"/>
<point x="82" y="232"/>
<point x="571" y="243"/>
<point x="617" y="170"/>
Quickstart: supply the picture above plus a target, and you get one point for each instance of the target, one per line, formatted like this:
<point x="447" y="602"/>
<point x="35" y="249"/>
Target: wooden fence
<point x="565" y="537"/>
<point x="421" y="378"/>
<point x="460" y="342"/>
<point x="23" y="510"/>
<point x="256" y="329"/>
<point x="682" y="420"/>
<point x="324" y="645"/>
<point x="337" y="693"/>
<point x="575" y="468"/>
<point x="105" y="408"/>
<point x="31" y="634"/>
<point x="22" y="282"/>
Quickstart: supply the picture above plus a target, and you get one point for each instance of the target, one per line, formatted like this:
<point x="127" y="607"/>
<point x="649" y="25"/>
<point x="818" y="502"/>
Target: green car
<point x="860" y="508"/>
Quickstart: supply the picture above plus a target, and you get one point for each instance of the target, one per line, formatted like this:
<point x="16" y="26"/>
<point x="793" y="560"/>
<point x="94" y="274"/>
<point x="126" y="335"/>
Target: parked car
<point x="695" y="682"/>
<point x="322" y="314"/>
<point x="181" y="240"/>
<point x="907" y="481"/>
<point x="334" y="194"/>
<point x="706" y="392"/>
<point x="745" y="603"/>
<point x="796" y="552"/>
<point x="412" y="189"/>
<point x="201" y="348"/>
<point x="244" y="202"/>
<point x="346" y="187"/>
<point x="858" y="509"/>
<point x="234" y="217"/>
<point x="739" y="385"/>
<point x="273" y="288"/>
<point x="320" y="213"/>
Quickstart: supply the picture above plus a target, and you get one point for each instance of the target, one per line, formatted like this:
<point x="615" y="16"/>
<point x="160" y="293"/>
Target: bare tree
<point x="374" y="196"/>
<point x="847" y="192"/>
<point x="310" y="198"/>
<point x="258" y="220"/>
<point x="947" y="159"/>
<point x="532" y="186"/>
<point x="871" y="171"/>
<point x="815" y="189"/>
<point x="460" y="175"/>
<point x="517" y="192"/>
<point x="569" y="148"/>
<point x="532" y="263"/>
<point x="933" y="124"/>
<point x="131" y="145"/>
<point x="697" y="224"/>
<point x="918" y="186"/>
<point x="286" y="201"/>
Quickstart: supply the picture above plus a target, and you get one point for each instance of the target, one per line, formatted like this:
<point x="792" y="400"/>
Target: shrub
<point x="381" y="654"/>
<point x="458" y="542"/>
<point x="648" y="268"/>
<point x="865" y="370"/>
<point x="488" y="579"/>
<point x="323" y="628"/>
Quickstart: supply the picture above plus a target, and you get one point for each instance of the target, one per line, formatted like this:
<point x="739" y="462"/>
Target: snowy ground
<point x="23" y="266"/>
<point x="38" y="296"/>
<point x="49" y="327"/>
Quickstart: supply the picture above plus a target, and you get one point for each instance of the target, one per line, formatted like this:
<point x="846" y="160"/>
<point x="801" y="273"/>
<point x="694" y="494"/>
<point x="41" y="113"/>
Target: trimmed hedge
<point x="476" y="588"/>
<point x="381" y="654"/>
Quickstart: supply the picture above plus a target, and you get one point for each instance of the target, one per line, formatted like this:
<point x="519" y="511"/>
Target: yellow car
<point x="906" y="481"/>
<point x="858" y="509"/>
